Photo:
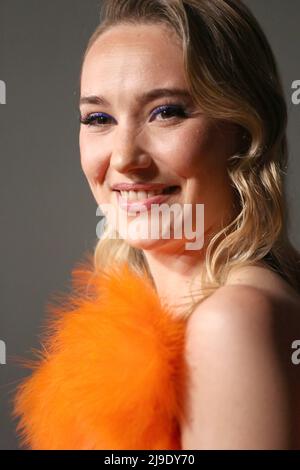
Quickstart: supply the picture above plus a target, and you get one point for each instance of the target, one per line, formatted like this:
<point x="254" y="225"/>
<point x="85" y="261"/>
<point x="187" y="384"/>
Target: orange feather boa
<point x="111" y="372"/>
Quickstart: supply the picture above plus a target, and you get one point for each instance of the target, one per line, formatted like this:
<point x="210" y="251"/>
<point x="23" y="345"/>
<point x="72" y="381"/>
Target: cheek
<point x="199" y="150"/>
<point x="187" y="151"/>
<point x="92" y="157"/>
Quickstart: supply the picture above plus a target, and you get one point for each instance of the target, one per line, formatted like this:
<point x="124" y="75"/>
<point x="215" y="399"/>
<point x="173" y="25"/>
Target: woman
<point x="181" y="104"/>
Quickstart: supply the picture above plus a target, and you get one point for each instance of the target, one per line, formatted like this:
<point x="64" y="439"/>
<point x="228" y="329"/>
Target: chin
<point x="145" y="244"/>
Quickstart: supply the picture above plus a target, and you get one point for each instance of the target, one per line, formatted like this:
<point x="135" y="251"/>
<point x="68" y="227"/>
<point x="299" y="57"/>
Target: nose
<point x="128" y="152"/>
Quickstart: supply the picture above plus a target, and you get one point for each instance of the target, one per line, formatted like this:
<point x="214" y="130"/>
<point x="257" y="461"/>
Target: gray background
<point x="48" y="216"/>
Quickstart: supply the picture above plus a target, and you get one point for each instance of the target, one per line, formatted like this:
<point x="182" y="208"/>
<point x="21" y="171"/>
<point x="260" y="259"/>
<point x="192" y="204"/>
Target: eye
<point x="170" y="111"/>
<point x="166" y="111"/>
<point x="95" y="119"/>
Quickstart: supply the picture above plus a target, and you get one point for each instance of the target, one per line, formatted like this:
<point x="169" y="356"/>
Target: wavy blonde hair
<point x="232" y="74"/>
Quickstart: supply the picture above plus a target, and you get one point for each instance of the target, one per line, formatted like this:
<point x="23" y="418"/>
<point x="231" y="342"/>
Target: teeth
<point x="138" y="195"/>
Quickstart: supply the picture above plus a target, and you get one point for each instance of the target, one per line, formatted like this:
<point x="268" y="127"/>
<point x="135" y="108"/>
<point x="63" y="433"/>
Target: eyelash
<point x="179" y="109"/>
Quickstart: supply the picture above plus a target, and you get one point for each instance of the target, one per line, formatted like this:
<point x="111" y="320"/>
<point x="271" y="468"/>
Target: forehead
<point x="131" y="58"/>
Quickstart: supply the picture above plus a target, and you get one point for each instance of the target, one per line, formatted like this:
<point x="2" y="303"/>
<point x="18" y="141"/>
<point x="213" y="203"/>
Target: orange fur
<point x="111" y="373"/>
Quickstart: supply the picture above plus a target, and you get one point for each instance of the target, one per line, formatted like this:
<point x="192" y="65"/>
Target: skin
<point x="250" y="310"/>
<point x="244" y="391"/>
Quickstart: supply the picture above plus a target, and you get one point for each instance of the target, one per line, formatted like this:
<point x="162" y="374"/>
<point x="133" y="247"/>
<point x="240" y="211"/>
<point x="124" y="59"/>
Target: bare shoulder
<point x="237" y="313"/>
<point x="252" y="295"/>
<point x="238" y="349"/>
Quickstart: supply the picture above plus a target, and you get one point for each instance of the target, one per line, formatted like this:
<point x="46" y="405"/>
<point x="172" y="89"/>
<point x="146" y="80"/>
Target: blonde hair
<point x="232" y="74"/>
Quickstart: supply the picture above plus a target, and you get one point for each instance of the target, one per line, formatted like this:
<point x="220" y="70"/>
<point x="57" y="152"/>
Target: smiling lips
<point x="142" y="196"/>
<point x="148" y="187"/>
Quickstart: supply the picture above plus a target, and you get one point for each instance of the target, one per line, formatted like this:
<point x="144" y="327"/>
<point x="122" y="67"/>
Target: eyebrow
<point x="143" y="98"/>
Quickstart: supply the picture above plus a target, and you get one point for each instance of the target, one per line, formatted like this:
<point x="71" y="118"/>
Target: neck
<point x="176" y="276"/>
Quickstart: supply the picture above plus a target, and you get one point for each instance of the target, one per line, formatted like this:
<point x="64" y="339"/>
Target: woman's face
<point x="132" y="134"/>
